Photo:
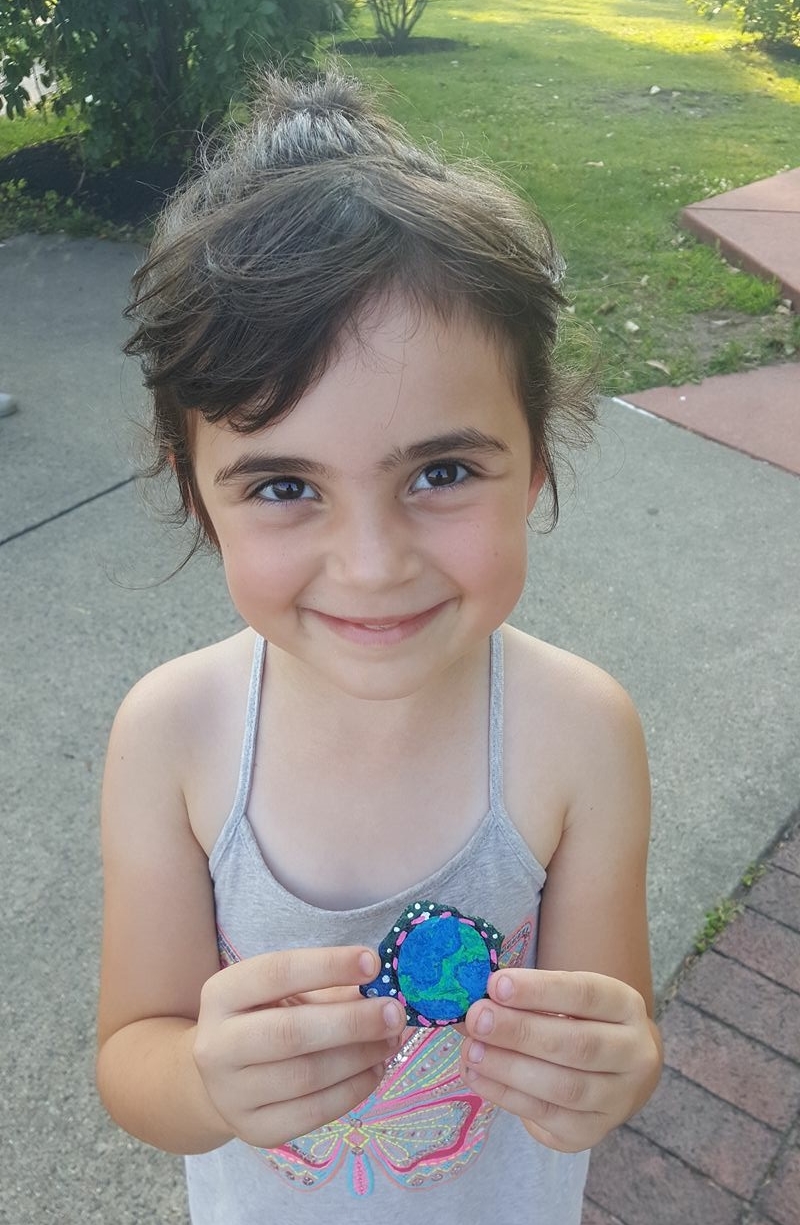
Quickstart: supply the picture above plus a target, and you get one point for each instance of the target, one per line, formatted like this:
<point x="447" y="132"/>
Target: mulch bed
<point x="132" y="195"/>
<point x="125" y="196"/>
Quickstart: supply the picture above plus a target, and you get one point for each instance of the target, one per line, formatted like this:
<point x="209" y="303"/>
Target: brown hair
<point x="291" y="229"/>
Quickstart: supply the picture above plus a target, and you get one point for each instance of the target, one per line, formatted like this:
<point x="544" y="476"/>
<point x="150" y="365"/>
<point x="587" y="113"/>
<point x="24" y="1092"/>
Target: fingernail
<point x="379" y="1070"/>
<point x="476" y="1052"/>
<point x="368" y="964"/>
<point x="485" y="1022"/>
<point x="504" y="988"/>
<point x="393" y="1015"/>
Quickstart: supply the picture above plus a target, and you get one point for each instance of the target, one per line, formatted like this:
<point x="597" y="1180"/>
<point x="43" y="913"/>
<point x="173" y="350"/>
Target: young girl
<point x="350" y="349"/>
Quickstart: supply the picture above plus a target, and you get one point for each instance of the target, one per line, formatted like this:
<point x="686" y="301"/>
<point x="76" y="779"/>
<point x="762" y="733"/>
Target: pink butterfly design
<point x="421" y="1126"/>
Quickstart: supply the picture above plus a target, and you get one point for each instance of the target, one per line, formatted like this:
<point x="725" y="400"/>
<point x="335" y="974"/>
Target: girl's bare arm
<point x="191" y="1055"/>
<point x="594" y="907"/>
<point x="159" y="939"/>
<point x="574" y="1050"/>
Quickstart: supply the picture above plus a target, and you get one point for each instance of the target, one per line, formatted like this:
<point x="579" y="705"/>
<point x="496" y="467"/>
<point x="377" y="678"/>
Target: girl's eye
<point x="439" y="476"/>
<point x="284" y="489"/>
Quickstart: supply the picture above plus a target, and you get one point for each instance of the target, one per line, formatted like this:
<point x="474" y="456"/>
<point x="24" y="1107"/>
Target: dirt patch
<point x="411" y="46"/>
<point x="730" y="340"/>
<point x="125" y="195"/>
<point x="694" y="104"/>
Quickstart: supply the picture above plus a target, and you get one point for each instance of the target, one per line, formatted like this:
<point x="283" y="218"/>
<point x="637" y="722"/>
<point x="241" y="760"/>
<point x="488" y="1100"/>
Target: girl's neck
<point x="353" y="772"/>
<point x="325" y="715"/>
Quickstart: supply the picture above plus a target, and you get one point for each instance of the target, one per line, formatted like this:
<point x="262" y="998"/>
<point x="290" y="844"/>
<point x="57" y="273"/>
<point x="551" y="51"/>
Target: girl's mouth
<point x="385" y="631"/>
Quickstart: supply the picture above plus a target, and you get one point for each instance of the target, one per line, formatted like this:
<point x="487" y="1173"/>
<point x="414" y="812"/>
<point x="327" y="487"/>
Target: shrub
<point x="144" y="77"/>
<point x="395" y="19"/>
<point x="776" y="22"/>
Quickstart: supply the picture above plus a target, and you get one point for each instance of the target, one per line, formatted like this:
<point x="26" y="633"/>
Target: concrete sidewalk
<point x="675" y="567"/>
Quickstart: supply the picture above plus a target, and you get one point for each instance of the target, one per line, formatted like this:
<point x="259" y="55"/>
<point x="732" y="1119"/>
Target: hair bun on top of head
<point x="306" y="120"/>
<point x="319" y="94"/>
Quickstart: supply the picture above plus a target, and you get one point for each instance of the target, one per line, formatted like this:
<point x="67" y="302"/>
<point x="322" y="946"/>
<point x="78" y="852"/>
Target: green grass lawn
<point x="556" y="94"/>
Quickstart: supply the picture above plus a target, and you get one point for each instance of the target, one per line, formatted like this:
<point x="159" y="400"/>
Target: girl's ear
<point x="537" y="480"/>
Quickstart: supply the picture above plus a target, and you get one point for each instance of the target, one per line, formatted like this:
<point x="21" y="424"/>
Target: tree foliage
<point x="776" y="22"/>
<point x="144" y="75"/>
<point x="395" y="19"/>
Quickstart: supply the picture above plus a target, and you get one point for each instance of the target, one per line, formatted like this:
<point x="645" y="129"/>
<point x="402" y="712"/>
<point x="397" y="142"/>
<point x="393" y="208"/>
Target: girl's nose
<point x="374" y="550"/>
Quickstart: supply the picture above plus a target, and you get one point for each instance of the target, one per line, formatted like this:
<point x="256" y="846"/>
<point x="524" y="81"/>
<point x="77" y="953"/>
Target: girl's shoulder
<point x="191" y="688"/>
<point x="572" y="735"/>
<point x="187" y="715"/>
<point x="545" y="679"/>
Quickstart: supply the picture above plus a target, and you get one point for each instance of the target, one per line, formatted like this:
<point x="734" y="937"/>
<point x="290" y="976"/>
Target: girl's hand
<point x="285" y="1043"/>
<point x="573" y="1054"/>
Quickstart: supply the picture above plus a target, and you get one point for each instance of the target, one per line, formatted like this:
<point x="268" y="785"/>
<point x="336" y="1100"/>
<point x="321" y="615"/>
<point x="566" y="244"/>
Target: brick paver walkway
<point x="719" y="1143"/>
<point x="757" y="227"/>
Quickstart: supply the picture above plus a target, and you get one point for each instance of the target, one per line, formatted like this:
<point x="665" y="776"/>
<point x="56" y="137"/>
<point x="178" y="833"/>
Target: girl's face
<point x="377" y="534"/>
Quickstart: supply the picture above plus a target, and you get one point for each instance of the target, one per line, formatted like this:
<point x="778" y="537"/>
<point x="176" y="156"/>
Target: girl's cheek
<point x="265" y="571"/>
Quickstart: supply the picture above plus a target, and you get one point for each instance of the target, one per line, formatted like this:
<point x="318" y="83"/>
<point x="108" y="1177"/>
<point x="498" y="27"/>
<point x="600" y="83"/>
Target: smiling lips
<point x="386" y="631"/>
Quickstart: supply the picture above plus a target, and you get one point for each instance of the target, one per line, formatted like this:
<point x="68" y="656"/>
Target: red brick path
<point x="719" y="1143"/>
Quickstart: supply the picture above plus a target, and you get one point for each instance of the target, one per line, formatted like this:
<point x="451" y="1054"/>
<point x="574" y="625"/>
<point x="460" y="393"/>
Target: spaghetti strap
<point x="250" y="729"/>
<point x="496" y="722"/>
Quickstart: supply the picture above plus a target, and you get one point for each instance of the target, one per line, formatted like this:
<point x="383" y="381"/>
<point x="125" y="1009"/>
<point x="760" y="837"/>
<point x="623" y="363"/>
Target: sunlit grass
<point x="652" y="23"/>
<point x="32" y="129"/>
<point x="557" y="95"/>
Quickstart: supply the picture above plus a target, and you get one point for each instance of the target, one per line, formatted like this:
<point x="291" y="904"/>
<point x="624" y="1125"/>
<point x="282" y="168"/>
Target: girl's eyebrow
<point x="255" y="463"/>
<point x="261" y="463"/>
<point x="444" y="445"/>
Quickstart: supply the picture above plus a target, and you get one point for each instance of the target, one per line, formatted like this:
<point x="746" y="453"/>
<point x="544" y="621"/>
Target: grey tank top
<point x="423" y="1144"/>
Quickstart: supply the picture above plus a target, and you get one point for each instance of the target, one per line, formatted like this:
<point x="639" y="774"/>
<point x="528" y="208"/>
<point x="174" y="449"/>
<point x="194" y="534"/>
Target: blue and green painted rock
<point x="436" y="962"/>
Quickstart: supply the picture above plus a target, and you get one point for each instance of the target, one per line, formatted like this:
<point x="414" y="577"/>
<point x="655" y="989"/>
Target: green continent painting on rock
<point x="442" y="967"/>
